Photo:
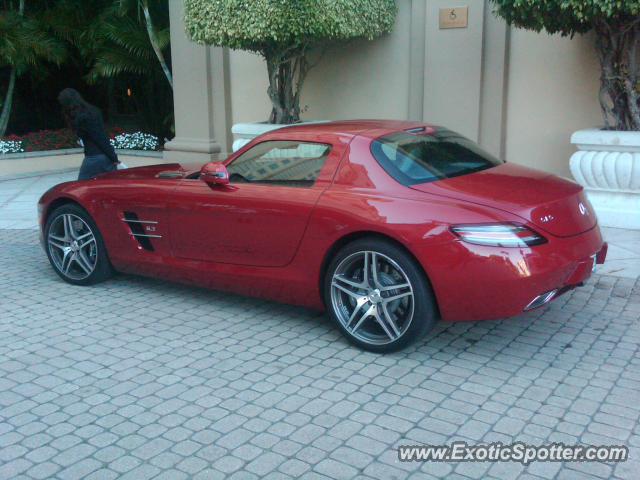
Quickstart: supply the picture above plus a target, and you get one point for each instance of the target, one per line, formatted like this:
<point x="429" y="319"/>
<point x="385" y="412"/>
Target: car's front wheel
<point x="75" y="247"/>
<point x="378" y="295"/>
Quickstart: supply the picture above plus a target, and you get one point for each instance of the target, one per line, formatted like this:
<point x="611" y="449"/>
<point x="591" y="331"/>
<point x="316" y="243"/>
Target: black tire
<point x="414" y="314"/>
<point x="95" y="252"/>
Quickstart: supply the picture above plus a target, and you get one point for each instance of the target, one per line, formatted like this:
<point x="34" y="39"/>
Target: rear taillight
<point x="498" y="235"/>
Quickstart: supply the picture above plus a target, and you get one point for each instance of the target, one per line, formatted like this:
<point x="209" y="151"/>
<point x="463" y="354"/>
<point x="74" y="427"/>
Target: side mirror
<point x="214" y="173"/>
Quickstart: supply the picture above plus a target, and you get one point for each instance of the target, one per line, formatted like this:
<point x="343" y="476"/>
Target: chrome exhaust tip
<point x="542" y="299"/>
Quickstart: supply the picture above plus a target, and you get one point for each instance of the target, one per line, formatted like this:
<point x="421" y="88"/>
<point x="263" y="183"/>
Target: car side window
<point x="291" y="163"/>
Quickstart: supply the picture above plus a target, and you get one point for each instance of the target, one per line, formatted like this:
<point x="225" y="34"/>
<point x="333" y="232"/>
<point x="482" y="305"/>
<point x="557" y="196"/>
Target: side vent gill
<point x="138" y="230"/>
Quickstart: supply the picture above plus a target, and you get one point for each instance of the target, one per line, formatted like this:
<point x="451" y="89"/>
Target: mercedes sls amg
<point x="387" y="225"/>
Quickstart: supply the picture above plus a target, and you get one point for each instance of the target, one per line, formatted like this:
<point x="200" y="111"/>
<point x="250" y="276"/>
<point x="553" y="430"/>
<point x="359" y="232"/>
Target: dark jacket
<point x="90" y="128"/>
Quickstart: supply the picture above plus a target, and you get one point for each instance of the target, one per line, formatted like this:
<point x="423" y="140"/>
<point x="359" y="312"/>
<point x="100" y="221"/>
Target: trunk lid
<point x="551" y="203"/>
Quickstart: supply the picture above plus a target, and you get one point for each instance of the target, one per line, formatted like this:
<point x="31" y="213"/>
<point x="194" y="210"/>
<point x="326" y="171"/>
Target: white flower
<point x="11" y="146"/>
<point x="135" y="141"/>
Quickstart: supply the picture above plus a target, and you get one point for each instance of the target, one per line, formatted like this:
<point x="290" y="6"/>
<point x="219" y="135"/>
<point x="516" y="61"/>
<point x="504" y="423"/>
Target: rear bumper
<point x="474" y="282"/>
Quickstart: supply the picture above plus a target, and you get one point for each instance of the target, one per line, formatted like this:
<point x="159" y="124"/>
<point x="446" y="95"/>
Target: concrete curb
<point x="65" y="160"/>
<point x="17" y="176"/>
<point x="68" y="151"/>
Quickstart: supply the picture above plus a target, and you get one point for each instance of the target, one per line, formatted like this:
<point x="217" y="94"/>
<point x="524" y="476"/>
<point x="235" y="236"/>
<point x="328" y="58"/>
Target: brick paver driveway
<point x="137" y="378"/>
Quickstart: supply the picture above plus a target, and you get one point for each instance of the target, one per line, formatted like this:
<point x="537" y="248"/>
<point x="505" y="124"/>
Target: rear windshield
<point x="432" y="154"/>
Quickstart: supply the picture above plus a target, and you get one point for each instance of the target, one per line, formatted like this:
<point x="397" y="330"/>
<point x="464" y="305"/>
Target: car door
<point x="134" y="216"/>
<point x="260" y="217"/>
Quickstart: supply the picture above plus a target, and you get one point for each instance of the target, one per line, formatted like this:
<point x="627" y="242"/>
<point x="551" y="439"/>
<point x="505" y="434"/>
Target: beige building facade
<point x="519" y="94"/>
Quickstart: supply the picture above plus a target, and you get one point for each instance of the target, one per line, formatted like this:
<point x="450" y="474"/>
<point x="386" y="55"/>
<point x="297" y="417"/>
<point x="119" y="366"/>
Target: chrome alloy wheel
<point x="72" y="246"/>
<point x="372" y="297"/>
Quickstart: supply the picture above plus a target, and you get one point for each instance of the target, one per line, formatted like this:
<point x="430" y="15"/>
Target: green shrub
<point x="284" y="32"/>
<point x="617" y="29"/>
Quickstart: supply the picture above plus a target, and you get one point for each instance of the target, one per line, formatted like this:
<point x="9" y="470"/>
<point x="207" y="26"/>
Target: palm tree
<point x="123" y="41"/>
<point x="129" y="47"/>
<point x="115" y="37"/>
<point x="128" y="40"/>
<point x="24" y="45"/>
<point x="155" y="39"/>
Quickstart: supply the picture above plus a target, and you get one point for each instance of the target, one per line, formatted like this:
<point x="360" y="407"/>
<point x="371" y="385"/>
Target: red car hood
<point x="551" y="203"/>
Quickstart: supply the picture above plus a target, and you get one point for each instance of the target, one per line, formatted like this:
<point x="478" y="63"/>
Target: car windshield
<point x="429" y="154"/>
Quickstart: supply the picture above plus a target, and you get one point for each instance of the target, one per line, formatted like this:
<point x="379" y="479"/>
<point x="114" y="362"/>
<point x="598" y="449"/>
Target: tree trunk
<point x="151" y="32"/>
<point x="630" y="71"/>
<point x="8" y="101"/>
<point x="287" y="72"/>
<point x="618" y="50"/>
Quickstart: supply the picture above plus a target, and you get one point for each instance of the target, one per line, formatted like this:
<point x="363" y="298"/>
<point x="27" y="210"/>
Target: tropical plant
<point x="24" y="45"/>
<point x="616" y="24"/>
<point x="116" y="37"/>
<point x="159" y="39"/>
<point x="128" y="45"/>
<point x="285" y="33"/>
<point x="126" y="40"/>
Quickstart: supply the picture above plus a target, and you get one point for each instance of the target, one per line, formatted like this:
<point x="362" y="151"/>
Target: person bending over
<point x="86" y="121"/>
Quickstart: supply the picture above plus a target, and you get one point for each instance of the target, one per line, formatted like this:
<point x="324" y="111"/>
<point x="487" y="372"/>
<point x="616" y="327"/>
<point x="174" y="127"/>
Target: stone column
<point x="200" y="96"/>
<point x="457" y="76"/>
<point x="493" y="90"/>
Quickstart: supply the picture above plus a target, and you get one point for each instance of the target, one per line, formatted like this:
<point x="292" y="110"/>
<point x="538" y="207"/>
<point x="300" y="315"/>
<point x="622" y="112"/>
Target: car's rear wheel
<point x="378" y="295"/>
<point x="75" y="247"/>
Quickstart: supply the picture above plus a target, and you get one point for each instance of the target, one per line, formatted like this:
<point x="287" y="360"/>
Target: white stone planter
<point x="607" y="165"/>
<point x="243" y="133"/>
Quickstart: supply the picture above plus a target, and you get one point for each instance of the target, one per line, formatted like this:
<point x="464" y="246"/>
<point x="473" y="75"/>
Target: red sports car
<point x="388" y="225"/>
